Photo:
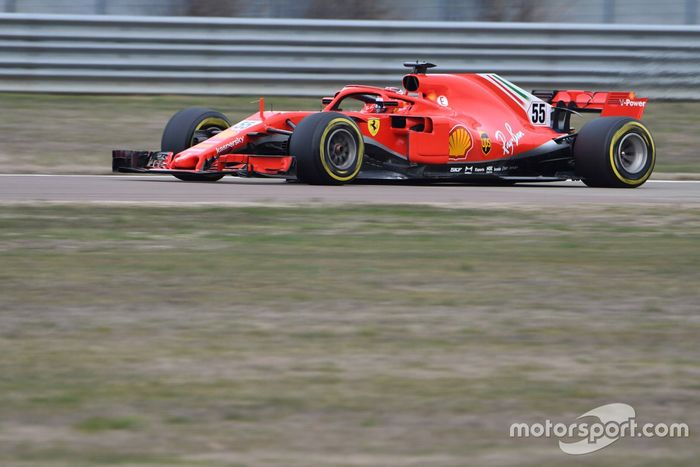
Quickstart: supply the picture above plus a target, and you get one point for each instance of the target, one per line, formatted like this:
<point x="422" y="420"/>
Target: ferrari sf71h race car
<point x="438" y="127"/>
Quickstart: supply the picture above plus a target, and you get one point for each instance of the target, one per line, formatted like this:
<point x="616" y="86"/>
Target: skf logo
<point x="460" y="143"/>
<point x="485" y="143"/>
<point x="373" y="126"/>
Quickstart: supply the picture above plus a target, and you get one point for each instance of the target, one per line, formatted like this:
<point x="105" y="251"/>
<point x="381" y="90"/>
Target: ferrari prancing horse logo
<point x="373" y="126"/>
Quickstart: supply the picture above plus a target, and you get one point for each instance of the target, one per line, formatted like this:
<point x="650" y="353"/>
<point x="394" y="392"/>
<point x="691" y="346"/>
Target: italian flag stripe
<point x="525" y="95"/>
<point x="507" y="91"/>
<point x="513" y="88"/>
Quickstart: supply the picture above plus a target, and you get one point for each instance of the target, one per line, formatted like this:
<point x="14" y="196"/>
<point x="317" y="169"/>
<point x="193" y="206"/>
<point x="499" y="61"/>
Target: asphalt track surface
<point x="234" y="191"/>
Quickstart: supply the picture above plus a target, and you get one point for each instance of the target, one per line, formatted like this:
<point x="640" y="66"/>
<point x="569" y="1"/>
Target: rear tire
<point x="614" y="152"/>
<point x="188" y="128"/>
<point x="328" y="148"/>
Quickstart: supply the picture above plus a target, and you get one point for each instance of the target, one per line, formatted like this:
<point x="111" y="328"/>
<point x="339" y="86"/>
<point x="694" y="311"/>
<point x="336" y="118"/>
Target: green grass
<point x="76" y="134"/>
<point x="97" y="424"/>
<point x="340" y="337"/>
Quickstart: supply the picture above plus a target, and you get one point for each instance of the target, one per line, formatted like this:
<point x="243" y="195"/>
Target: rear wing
<point x="608" y="104"/>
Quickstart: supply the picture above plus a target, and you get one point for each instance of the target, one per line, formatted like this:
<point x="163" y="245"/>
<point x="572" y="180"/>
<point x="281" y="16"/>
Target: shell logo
<point x="460" y="143"/>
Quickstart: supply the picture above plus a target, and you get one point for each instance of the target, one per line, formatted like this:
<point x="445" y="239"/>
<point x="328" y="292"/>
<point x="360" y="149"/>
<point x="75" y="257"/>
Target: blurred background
<point x="74" y="57"/>
<point x="588" y="11"/>
<point x="310" y="47"/>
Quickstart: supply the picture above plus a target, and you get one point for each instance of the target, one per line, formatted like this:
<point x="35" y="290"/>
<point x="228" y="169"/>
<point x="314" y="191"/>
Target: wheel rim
<point x="632" y="153"/>
<point x="341" y="149"/>
<point x="206" y="129"/>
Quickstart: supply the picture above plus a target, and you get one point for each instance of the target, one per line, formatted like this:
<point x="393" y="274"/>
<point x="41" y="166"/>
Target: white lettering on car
<point x="229" y="146"/>
<point x="631" y="103"/>
<point x="510" y="141"/>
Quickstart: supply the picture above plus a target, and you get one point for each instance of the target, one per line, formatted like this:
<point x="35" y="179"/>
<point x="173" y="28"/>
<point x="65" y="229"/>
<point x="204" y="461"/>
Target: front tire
<point x="188" y="128"/>
<point x="328" y="148"/>
<point x="614" y="152"/>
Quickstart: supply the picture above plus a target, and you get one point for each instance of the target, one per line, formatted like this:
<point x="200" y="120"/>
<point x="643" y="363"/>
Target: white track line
<point x="673" y="181"/>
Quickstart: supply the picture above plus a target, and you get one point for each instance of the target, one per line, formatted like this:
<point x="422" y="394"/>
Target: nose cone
<point x="186" y="160"/>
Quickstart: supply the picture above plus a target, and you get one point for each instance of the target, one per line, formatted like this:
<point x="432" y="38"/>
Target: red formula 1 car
<point x="438" y="127"/>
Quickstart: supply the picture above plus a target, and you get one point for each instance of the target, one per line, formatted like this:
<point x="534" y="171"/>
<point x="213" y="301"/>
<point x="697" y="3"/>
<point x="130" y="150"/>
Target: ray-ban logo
<point x="598" y="428"/>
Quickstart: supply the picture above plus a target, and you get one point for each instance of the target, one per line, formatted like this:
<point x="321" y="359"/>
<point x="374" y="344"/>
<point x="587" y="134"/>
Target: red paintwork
<point x="611" y="104"/>
<point x="444" y="103"/>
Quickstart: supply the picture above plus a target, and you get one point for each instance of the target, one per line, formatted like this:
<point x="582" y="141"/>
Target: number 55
<point x="540" y="113"/>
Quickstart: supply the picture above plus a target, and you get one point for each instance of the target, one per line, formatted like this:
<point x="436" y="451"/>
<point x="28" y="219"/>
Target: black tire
<point x="190" y="177"/>
<point x="189" y="127"/>
<point x="614" y="152"/>
<point x="318" y="163"/>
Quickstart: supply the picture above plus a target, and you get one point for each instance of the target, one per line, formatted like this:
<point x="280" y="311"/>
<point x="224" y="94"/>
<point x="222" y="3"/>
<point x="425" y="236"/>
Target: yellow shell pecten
<point x="460" y="143"/>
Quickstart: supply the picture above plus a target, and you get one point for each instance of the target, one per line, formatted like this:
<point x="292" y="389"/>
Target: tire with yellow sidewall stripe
<point x="188" y="128"/>
<point x="328" y="148"/>
<point x="614" y="152"/>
